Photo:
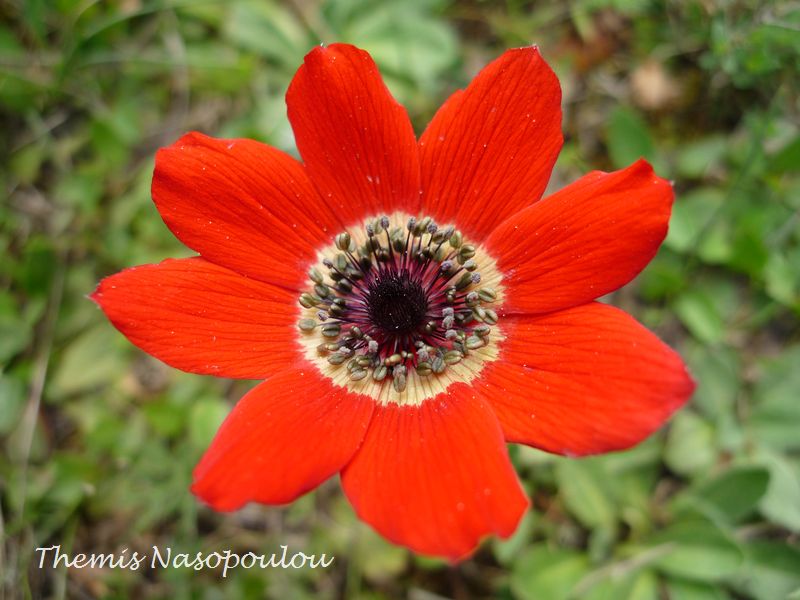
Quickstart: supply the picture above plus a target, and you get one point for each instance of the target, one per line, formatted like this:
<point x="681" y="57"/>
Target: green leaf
<point x="716" y="245"/>
<point x="583" y="485"/>
<point x="166" y="418"/>
<point x="628" y="138"/>
<point x="690" y="445"/>
<point x="664" y="276"/>
<point x="772" y="569"/>
<point x="507" y="550"/>
<point x="80" y="189"/>
<point x="691" y="214"/>
<point x="205" y="417"/>
<point x="782" y="275"/>
<point x="642" y="585"/>
<point x="781" y="503"/>
<point x="408" y="45"/>
<point x="26" y="162"/>
<point x="15" y="333"/>
<point x="544" y="572"/>
<point x="680" y="589"/>
<point x="12" y="401"/>
<point x="379" y="560"/>
<point x="697" y="550"/>
<point x="731" y="495"/>
<point x="90" y="360"/>
<point x="38" y="265"/>
<point x="775" y="419"/>
<point x="270" y="30"/>
<point x="787" y="158"/>
<point x="719" y="380"/>
<point x="696" y="157"/>
<point x="698" y="311"/>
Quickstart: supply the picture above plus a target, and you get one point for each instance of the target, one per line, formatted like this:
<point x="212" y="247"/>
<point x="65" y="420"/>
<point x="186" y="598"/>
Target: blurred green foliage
<point x="99" y="440"/>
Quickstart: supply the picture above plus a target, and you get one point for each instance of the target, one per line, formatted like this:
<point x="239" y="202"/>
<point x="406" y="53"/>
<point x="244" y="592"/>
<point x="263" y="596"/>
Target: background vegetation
<point x="98" y="440"/>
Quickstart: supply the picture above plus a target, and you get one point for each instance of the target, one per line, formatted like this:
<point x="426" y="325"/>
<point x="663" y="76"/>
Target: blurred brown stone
<point x="652" y="88"/>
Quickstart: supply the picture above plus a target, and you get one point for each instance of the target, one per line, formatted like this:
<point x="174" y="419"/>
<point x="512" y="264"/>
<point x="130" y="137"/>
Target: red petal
<point x="584" y="241"/>
<point x="356" y="140"/>
<point x="282" y="439"/>
<point x="489" y="150"/>
<point x="199" y="317"/>
<point x="585" y="380"/>
<point x="435" y="477"/>
<point x="242" y="205"/>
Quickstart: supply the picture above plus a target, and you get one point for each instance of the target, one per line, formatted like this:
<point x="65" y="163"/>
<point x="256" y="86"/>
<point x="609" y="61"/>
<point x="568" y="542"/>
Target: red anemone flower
<point x="411" y="305"/>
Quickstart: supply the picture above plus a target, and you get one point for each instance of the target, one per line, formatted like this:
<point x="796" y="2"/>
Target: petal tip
<point x="214" y="499"/>
<point x="501" y="530"/>
<point x="689" y="386"/>
<point x="332" y="51"/>
<point x="95" y="296"/>
<point x="191" y="139"/>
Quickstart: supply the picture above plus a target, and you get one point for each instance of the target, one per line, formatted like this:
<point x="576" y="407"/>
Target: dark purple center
<point x="396" y="303"/>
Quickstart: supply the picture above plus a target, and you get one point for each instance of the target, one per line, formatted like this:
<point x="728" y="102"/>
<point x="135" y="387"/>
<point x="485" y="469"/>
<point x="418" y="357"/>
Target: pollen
<point x="400" y="308"/>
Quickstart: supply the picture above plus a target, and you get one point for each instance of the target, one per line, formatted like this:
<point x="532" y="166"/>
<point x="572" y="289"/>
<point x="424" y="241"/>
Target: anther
<point x="482" y="330"/>
<point x="331" y="330"/>
<point x="464" y="281"/>
<point x="424" y="368"/>
<point x="337" y="358"/>
<point x="399" y="378"/>
<point x="380" y="372"/>
<point x="343" y="241"/>
<point x="452" y="357"/>
<point x="315" y="275"/>
<point x="487" y="294"/>
<point x="358" y="374"/>
<point x="474" y="342"/>
<point x="307" y="324"/>
<point x="394" y="359"/>
<point x="308" y="301"/>
<point x="466" y="252"/>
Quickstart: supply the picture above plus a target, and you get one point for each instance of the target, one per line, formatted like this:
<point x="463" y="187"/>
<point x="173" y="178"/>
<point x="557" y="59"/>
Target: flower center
<point x="396" y="304"/>
<point x="400" y="302"/>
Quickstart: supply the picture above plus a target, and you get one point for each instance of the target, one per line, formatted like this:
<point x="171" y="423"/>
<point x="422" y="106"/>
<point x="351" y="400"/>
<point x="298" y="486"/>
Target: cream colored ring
<point x="418" y="387"/>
